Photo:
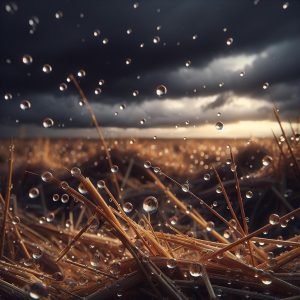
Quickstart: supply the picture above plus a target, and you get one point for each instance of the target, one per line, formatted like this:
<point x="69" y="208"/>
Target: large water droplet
<point x="27" y="59"/>
<point x="48" y="122"/>
<point x="150" y="204"/>
<point x="161" y="90"/>
<point x="25" y="104"/>
<point x="34" y="193"/>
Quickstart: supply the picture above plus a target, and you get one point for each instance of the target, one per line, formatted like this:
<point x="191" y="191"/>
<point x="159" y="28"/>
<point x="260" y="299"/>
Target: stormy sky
<point x="213" y="56"/>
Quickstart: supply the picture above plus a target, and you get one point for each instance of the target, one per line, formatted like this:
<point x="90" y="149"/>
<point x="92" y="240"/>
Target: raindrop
<point x="156" y="39"/>
<point x="285" y="5"/>
<point x="185" y="187"/>
<point x="188" y="63"/>
<point x="27" y="59"/>
<point x="50" y="217"/>
<point x="206" y="177"/>
<point x="135" y="93"/>
<point x="15" y="220"/>
<point x="64" y="198"/>
<point x="150" y="204"/>
<point x="37" y="253"/>
<point x="171" y="263"/>
<point x="122" y="106"/>
<point x="267" y="160"/>
<point x="96" y="33"/>
<point x="101" y="82"/>
<point x="63" y="86"/>
<point x="229" y="41"/>
<point x="47" y="176"/>
<point x="81" y="73"/>
<point x="195" y="270"/>
<point x="218" y="190"/>
<point x="59" y="14"/>
<point x="128" y="207"/>
<point x="47" y="122"/>
<point x="34" y="192"/>
<point x="25" y="104"/>
<point x="114" y="169"/>
<point x="219" y="125"/>
<point x="161" y="90"/>
<point x="47" y="68"/>
<point x="75" y="172"/>
<point x="8" y="96"/>
<point x="97" y="91"/>
<point x="274" y="219"/>
<point x="128" y="61"/>
<point x="249" y="194"/>
<point x="101" y="184"/>
<point x="147" y="164"/>
<point x="266" y="280"/>
<point x="38" y="291"/>
<point x="210" y="226"/>
<point x="105" y="41"/>
<point x="266" y="85"/>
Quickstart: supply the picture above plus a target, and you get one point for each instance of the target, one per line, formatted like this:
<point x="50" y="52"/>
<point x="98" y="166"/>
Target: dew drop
<point x="47" y="68"/>
<point x="210" y="226"/>
<point x="37" y="291"/>
<point x="96" y="32"/>
<point x="101" y="184"/>
<point x="58" y="15"/>
<point x="63" y="86"/>
<point x="161" y="90"/>
<point x="15" y="220"/>
<point x="34" y="193"/>
<point x="229" y="41"/>
<point x="114" y="169"/>
<point x="274" y="219"/>
<point x="64" y="198"/>
<point x="8" y="96"/>
<point x="156" y="39"/>
<point x="219" y="125"/>
<point x="185" y="187"/>
<point x="266" y="85"/>
<point x="206" y="177"/>
<point x="195" y="270"/>
<point x="47" y="176"/>
<point x="150" y="204"/>
<point x="285" y="5"/>
<point x="81" y="73"/>
<point x="75" y="172"/>
<point x="27" y="59"/>
<point x="267" y="160"/>
<point x="128" y="207"/>
<point x="171" y="263"/>
<point x="25" y="104"/>
<point x="249" y="194"/>
<point x="48" y="122"/>
<point x="147" y="164"/>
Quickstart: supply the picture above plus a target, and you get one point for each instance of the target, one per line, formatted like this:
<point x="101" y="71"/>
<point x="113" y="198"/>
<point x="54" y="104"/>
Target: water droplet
<point x="210" y="226"/>
<point x="25" y="104"/>
<point x="68" y="223"/>
<point x="101" y="184"/>
<point x="96" y="32"/>
<point x="128" y="207"/>
<point x="47" y="68"/>
<point x="11" y="8"/>
<point x="147" y="164"/>
<point x="27" y="59"/>
<point x="157" y="170"/>
<point x="75" y="172"/>
<point x="59" y="14"/>
<point x="188" y="63"/>
<point x="101" y="82"/>
<point x="50" y="217"/>
<point x="267" y="160"/>
<point x="105" y="41"/>
<point x="47" y="176"/>
<point x="285" y="5"/>
<point x="206" y="177"/>
<point x="63" y="86"/>
<point x="195" y="270"/>
<point x="171" y="263"/>
<point x="129" y="31"/>
<point x="219" y="114"/>
<point x="38" y="290"/>
<point x="218" y="190"/>
<point x="195" y="36"/>
<point x="135" y="5"/>
<point x="266" y="280"/>
<point x="8" y="96"/>
<point x="65" y="198"/>
<point x="114" y="169"/>
<point x="122" y="106"/>
<point x="37" y="253"/>
<point x="156" y="39"/>
<point x="185" y="187"/>
<point x="242" y="74"/>
<point x="161" y="90"/>
<point x="229" y="41"/>
<point x="143" y="121"/>
<point x="81" y="73"/>
<point x="219" y="125"/>
<point x="15" y="220"/>
<point x="34" y="192"/>
<point x="249" y="194"/>
<point x="150" y="204"/>
<point x="266" y="85"/>
<point x="135" y="93"/>
<point x="48" y="122"/>
<point x="128" y="61"/>
<point x="274" y="219"/>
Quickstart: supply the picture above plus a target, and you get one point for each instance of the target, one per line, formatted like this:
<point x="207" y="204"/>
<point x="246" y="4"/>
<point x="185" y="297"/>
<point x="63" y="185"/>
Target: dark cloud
<point x="266" y="46"/>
